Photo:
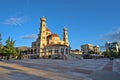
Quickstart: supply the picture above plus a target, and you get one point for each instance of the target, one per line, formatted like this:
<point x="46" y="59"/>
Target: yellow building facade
<point x="89" y="47"/>
<point x="50" y="45"/>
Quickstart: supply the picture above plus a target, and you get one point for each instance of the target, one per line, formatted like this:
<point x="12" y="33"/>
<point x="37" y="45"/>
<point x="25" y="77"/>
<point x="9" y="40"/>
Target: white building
<point x="112" y="46"/>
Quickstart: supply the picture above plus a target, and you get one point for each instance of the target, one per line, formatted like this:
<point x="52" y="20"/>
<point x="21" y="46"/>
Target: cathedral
<point x="49" y="45"/>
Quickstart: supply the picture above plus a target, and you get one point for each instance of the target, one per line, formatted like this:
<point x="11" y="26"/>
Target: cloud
<point x="30" y="36"/>
<point x="114" y="36"/>
<point x="15" y="21"/>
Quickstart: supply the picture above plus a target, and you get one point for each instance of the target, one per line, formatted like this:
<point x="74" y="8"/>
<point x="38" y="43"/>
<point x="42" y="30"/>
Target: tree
<point x="10" y="48"/>
<point x="106" y="53"/>
<point x="119" y="53"/>
<point x="2" y="48"/>
<point x="0" y="43"/>
<point x="0" y="38"/>
<point x="18" y="54"/>
<point x="113" y="53"/>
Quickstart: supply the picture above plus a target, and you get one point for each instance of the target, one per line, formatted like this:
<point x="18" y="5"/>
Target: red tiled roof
<point x="48" y="29"/>
<point x="53" y="35"/>
<point x="76" y="50"/>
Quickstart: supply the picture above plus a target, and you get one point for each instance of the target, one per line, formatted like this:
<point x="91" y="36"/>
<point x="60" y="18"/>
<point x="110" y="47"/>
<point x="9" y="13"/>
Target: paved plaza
<point x="47" y="69"/>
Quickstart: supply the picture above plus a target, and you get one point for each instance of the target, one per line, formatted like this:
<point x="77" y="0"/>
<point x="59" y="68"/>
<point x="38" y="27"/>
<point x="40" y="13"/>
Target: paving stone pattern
<point x="47" y="69"/>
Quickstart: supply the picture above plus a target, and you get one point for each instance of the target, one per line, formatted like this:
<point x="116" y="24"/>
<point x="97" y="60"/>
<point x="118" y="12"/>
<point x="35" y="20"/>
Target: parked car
<point x="56" y="57"/>
<point x="1" y="59"/>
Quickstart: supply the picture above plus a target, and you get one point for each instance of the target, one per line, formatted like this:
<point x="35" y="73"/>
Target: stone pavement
<point x="44" y="69"/>
<point x="105" y="75"/>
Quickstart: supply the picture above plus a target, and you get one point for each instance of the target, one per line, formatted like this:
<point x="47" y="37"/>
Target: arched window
<point x="43" y="25"/>
<point x="35" y="51"/>
<point x="66" y="51"/>
<point x="56" y="50"/>
<point x="31" y="51"/>
<point x="62" y="50"/>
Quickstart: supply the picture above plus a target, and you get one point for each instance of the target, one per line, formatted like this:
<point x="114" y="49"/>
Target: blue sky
<point x="88" y="21"/>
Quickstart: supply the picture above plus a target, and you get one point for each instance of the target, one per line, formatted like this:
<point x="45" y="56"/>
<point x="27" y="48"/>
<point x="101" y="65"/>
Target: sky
<point x="88" y="21"/>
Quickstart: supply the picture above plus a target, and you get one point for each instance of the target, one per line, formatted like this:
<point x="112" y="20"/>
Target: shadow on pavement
<point x="17" y="74"/>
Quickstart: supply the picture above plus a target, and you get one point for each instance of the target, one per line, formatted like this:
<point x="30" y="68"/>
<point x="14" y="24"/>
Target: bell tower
<point x="42" y="36"/>
<point x="65" y="37"/>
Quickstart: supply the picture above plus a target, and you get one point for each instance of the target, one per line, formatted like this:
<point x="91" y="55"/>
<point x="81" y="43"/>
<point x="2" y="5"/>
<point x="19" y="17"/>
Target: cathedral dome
<point x="53" y="35"/>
